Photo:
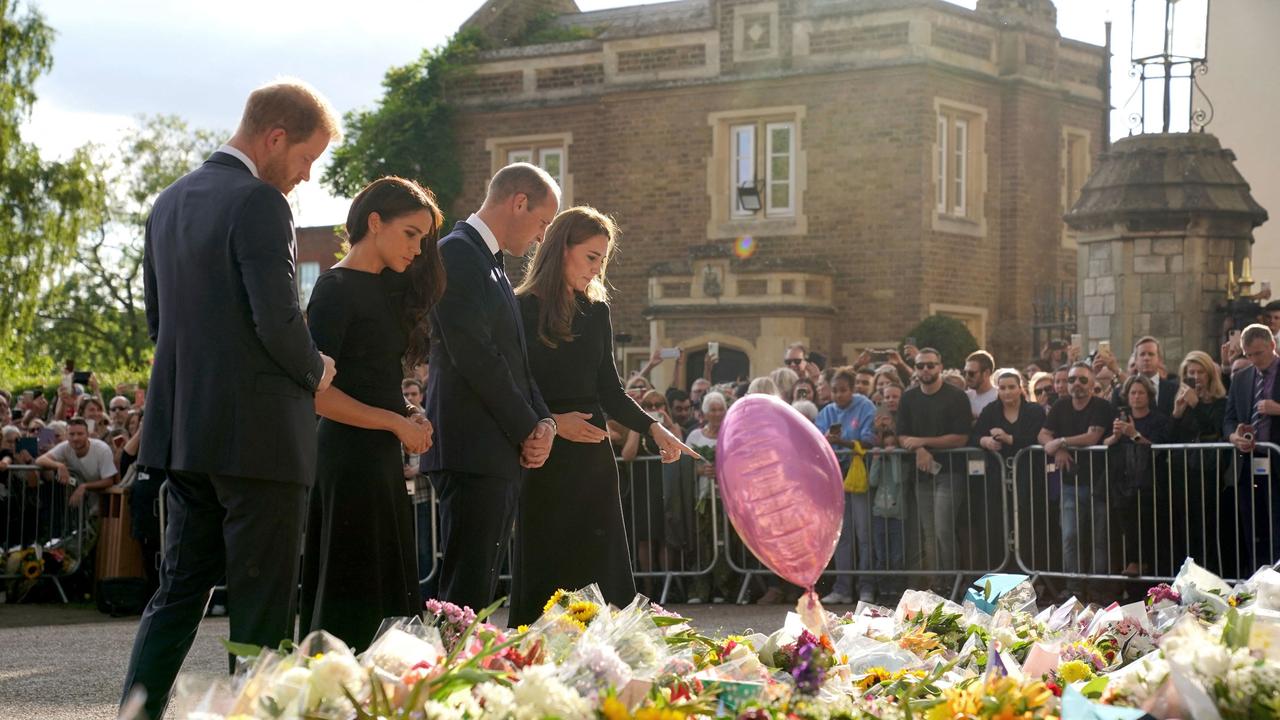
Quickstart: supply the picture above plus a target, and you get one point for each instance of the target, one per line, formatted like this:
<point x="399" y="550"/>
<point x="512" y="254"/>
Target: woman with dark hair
<point x="569" y="529"/>
<point x="370" y="314"/>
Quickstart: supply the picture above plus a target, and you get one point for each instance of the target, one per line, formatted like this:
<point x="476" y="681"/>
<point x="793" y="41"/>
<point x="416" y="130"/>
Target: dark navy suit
<point x="483" y="402"/>
<point x="230" y="413"/>
<point x="1257" y="496"/>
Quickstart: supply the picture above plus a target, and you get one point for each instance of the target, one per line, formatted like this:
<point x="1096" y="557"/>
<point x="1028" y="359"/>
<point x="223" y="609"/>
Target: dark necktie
<point x="1259" y="383"/>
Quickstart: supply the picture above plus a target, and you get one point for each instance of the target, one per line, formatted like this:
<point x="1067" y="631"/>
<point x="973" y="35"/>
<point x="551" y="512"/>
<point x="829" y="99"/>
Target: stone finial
<point x="502" y="21"/>
<point x="1039" y="14"/>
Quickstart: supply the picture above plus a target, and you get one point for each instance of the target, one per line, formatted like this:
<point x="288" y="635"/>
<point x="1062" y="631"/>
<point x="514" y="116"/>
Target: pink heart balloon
<point x="781" y="485"/>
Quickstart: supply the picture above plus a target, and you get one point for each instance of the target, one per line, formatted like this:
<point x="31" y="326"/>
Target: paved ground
<point x="67" y="663"/>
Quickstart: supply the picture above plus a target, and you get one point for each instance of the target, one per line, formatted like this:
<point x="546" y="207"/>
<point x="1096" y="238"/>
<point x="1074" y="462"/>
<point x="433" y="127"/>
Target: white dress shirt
<point x="490" y="239"/>
<point x="235" y="153"/>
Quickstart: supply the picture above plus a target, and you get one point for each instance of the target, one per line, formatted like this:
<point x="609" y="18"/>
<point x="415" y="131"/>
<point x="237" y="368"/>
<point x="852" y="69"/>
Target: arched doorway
<point x="734" y="366"/>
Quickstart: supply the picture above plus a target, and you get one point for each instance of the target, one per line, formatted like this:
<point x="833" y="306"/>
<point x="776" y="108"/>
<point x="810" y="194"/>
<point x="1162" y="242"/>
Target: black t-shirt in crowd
<point x="946" y="412"/>
<point x="1065" y="421"/>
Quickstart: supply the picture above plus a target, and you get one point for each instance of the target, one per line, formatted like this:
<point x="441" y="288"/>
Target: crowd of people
<point x="916" y="501"/>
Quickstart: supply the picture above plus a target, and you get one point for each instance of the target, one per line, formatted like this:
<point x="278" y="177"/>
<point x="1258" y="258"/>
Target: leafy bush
<point x="948" y="336"/>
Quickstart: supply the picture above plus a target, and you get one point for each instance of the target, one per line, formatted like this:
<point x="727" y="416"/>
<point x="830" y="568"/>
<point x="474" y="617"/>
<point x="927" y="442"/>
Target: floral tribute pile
<point x="1196" y="649"/>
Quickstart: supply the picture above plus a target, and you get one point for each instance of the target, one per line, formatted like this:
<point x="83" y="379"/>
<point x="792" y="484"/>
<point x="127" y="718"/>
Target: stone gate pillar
<point x="1156" y="224"/>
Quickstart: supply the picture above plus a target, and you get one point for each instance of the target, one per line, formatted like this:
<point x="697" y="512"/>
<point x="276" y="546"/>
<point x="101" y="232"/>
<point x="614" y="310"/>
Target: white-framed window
<point x="551" y="159"/>
<point x="308" y="274"/>
<point x="763" y="155"/>
<point x="953" y="168"/>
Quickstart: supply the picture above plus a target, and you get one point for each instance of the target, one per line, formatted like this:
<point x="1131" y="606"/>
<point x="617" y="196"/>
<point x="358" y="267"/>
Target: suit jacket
<point x="481" y="396"/>
<point x="233" y="381"/>
<point x="1240" y="404"/>
<point x="1166" y="393"/>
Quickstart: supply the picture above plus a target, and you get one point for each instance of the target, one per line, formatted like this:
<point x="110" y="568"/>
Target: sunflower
<point x="583" y="611"/>
<point x="555" y="599"/>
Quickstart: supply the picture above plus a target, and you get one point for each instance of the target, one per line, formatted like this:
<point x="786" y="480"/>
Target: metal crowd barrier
<point x="1133" y="513"/>
<point x="939" y="528"/>
<point x="37" y="514"/>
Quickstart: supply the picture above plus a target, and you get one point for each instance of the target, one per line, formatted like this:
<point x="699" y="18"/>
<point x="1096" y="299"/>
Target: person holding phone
<point x="850" y="419"/>
<point x="1253" y="405"/>
<point x="569" y="526"/>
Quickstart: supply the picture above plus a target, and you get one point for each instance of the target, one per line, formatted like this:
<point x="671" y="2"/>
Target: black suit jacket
<point x="1166" y="393"/>
<point x="1240" y="404"/>
<point x="233" y="382"/>
<point x="481" y="397"/>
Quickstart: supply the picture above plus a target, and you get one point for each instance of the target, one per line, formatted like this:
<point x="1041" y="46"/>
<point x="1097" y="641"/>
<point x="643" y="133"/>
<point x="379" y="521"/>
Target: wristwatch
<point x="554" y="427"/>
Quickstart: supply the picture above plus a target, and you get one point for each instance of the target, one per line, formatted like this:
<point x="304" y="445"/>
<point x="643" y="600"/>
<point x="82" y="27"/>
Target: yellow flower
<point x="522" y="629"/>
<point x="1075" y="671"/>
<point x="583" y="611"/>
<point x="875" y="676"/>
<point x="613" y="709"/>
<point x="555" y="599"/>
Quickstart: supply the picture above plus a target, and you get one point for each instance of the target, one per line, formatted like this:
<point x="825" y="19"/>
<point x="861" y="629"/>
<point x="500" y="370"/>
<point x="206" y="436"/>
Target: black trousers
<point x="477" y="513"/>
<point x="248" y="529"/>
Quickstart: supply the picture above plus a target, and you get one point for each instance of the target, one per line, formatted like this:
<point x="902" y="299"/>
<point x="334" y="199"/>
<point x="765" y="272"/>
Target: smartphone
<point x="1104" y="346"/>
<point x="1191" y="382"/>
<point x="80" y="377"/>
<point x="29" y="444"/>
<point x="118" y="441"/>
<point x="46" y="439"/>
<point x="1076" y="340"/>
<point x="669" y="353"/>
<point x="92" y="425"/>
<point x="1233" y="335"/>
<point x="713" y="348"/>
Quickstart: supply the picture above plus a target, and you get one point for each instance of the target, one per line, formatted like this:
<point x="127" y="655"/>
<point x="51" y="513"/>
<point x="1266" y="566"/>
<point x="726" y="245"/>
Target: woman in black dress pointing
<point x="370" y="313"/>
<point x="569" y="530"/>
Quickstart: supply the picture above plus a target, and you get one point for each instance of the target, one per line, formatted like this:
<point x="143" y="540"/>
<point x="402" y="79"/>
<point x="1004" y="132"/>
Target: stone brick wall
<point x="838" y="40"/>
<point x="559" y="78"/>
<point x="478" y="84"/>
<point x="949" y="38"/>
<point x="665" y="58"/>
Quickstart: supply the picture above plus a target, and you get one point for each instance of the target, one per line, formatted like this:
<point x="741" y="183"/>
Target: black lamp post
<point x="1169" y="44"/>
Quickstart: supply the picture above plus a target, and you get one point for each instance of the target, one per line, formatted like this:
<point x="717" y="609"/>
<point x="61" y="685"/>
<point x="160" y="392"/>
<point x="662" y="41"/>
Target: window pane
<point x="940" y="160"/>
<point x="742" y="164"/>
<point x="962" y="144"/>
<point x="515" y="156"/>
<point x="781" y="167"/>
<point x="550" y="161"/>
<point x="779" y="196"/>
<point x="308" y="274"/>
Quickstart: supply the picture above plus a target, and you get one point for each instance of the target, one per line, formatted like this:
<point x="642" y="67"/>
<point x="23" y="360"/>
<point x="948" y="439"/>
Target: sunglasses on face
<point x="972" y="373"/>
<point x="795" y="361"/>
<point x="1081" y="379"/>
<point x="926" y="365"/>
<point x="1043" y="390"/>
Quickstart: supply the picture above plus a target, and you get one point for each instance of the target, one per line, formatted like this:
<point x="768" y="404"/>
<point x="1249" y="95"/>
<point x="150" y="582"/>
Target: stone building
<point x="826" y="171"/>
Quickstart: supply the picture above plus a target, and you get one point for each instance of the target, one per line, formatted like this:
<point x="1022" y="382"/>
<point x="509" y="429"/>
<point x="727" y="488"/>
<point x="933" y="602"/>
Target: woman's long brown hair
<point x="393" y="197"/>
<point x="545" y="277"/>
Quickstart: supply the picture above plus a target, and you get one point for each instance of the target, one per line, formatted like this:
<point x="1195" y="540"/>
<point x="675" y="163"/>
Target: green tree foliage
<point x="95" y="311"/>
<point x="948" y="336"/>
<point x="409" y="133"/>
<point x="44" y="206"/>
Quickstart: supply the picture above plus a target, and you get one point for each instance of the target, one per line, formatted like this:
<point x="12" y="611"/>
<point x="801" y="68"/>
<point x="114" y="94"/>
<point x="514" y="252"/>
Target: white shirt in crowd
<point x="977" y="402"/>
<point x="96" y="464"/>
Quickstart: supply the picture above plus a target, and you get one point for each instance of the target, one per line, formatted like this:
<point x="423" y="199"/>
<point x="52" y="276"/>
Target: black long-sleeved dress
<point x="569" y="529"/>
<point x="360" y="564"/>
